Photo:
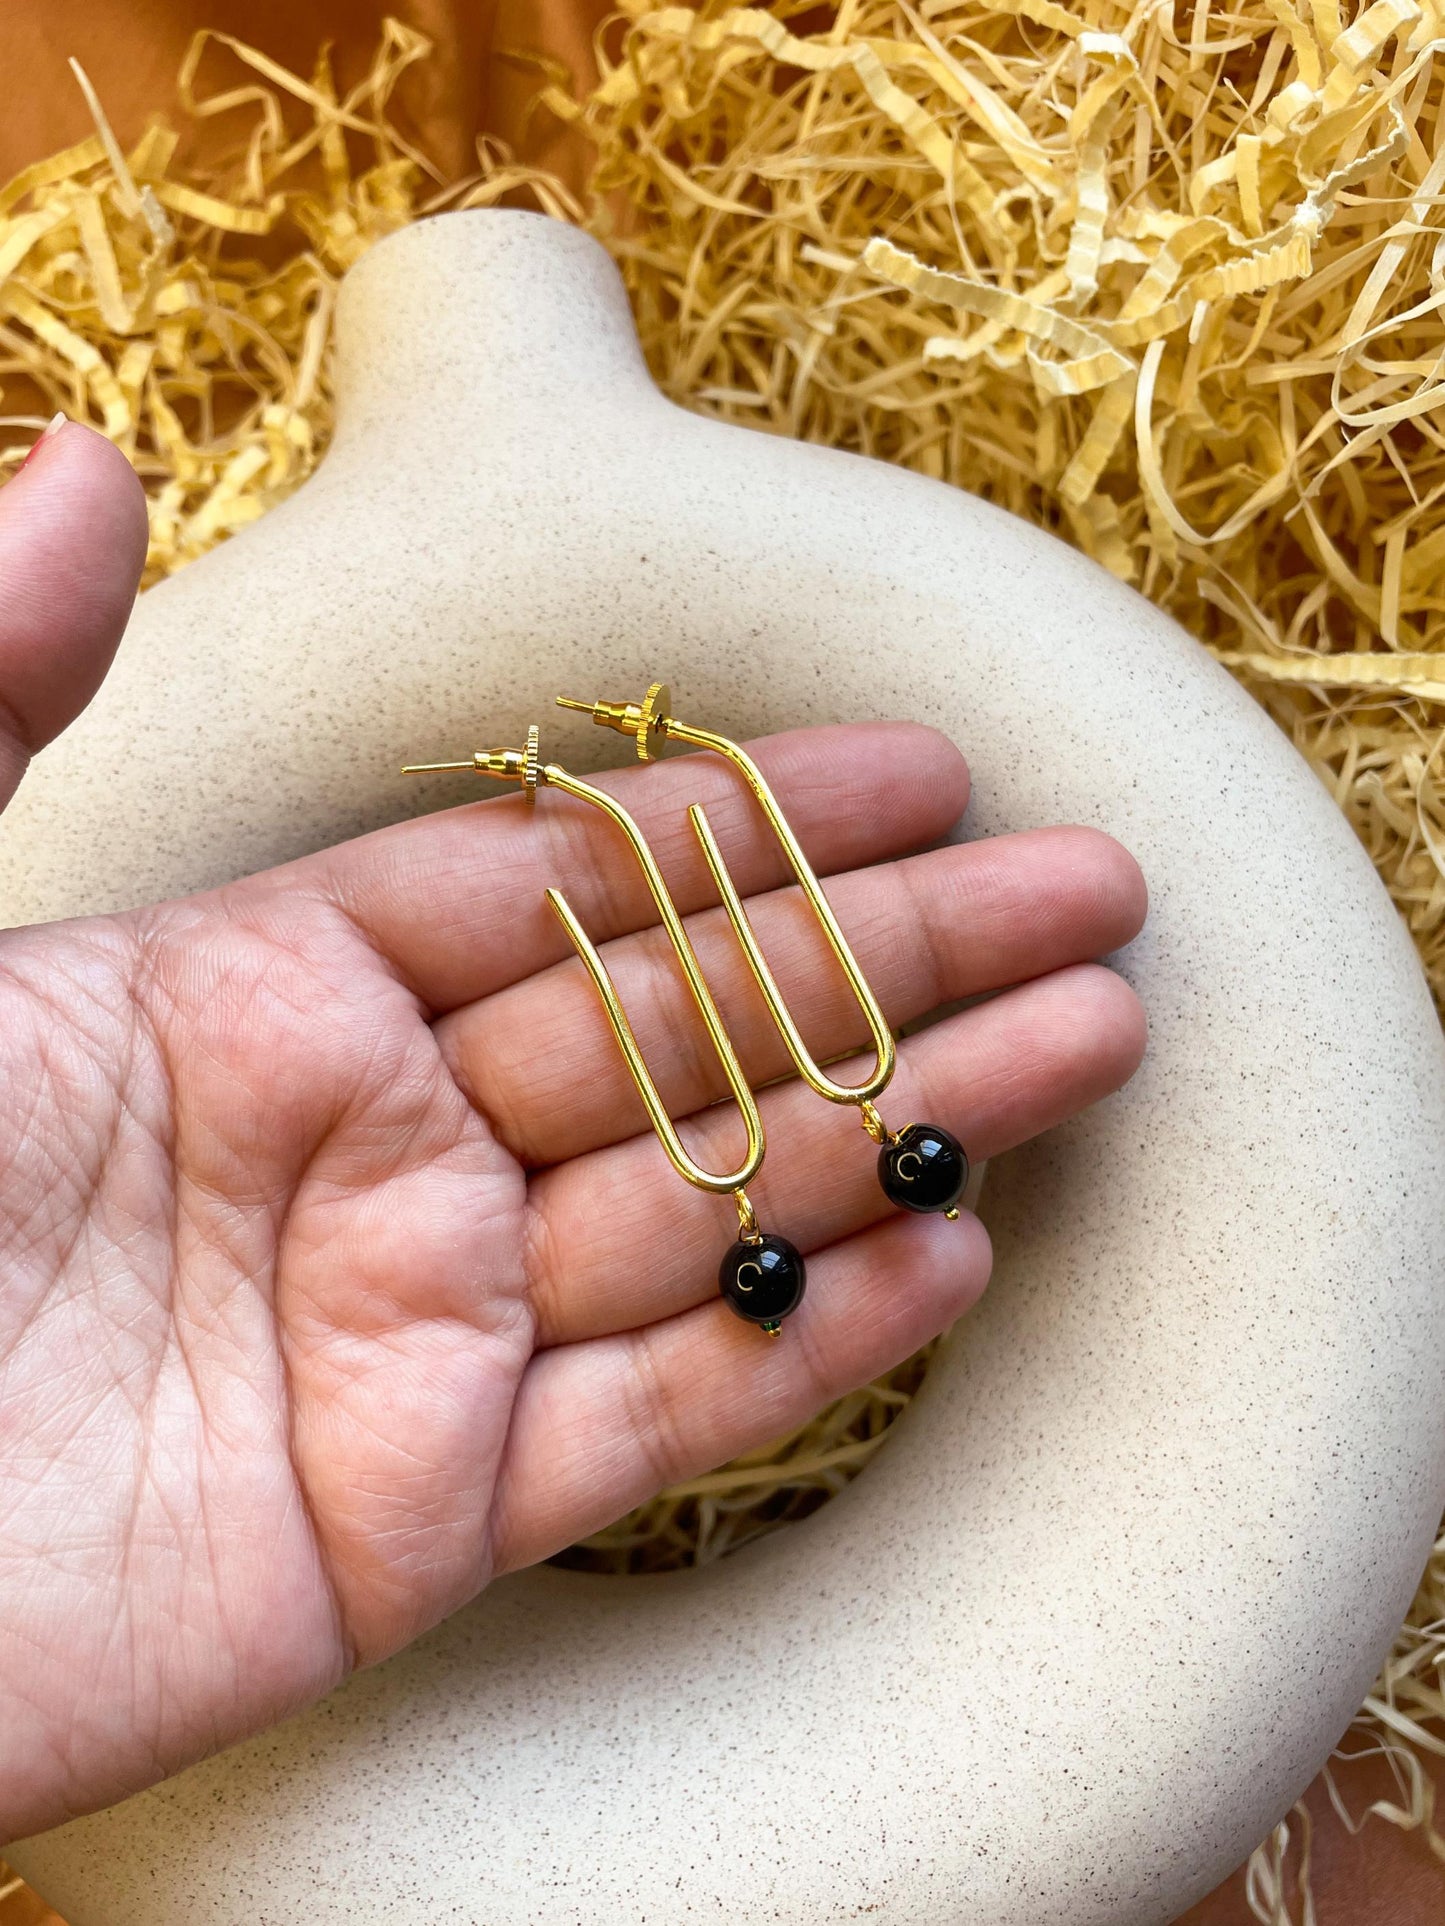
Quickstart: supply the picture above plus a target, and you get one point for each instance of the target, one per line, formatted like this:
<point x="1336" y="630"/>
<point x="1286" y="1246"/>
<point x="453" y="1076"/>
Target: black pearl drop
<point x="764" y="1280"/>
<point x="923" y="1169"/>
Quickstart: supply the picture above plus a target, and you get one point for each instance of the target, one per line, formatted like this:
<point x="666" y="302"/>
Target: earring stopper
<point x="508" y="765"/>
<point x="641" y="720"/>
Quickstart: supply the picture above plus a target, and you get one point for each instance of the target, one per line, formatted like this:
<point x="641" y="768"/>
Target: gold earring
<point x="921" y="1167"/>
<point x="762" y="1276"/>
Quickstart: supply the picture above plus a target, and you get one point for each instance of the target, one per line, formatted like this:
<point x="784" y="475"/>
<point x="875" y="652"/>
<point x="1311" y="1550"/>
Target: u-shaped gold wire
<point x="652" y="716"/>
<point x="515" y="765"/>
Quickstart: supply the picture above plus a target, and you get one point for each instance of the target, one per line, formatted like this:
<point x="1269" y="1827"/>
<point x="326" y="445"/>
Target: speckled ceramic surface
<point x="1100" y="1608"/>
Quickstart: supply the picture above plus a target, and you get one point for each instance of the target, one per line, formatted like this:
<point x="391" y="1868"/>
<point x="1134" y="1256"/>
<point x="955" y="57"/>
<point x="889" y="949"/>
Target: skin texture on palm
<point x="338" y="1269"/>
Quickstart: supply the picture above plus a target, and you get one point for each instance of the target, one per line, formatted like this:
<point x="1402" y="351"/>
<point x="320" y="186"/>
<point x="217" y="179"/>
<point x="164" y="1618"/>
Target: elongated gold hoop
<point x="652" y="717"/>
<point x="922" y="1167"/>
<point x="762" y="1276"/>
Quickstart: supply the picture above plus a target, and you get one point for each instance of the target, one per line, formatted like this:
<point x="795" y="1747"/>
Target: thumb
<point x="72" y="544"/>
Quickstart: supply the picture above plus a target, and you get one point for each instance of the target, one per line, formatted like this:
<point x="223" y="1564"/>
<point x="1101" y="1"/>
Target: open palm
<point x="338" y="1271"/>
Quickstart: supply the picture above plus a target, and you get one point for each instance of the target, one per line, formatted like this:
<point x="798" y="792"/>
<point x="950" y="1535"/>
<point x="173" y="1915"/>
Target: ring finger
<point x="620" y="1241"/>
<point x="539" y="1059"/>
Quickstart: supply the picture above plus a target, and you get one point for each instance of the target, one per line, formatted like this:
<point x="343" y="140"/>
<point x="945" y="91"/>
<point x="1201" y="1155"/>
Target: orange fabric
<point x="133" y="53"/>
<point x="1378" y="1877"/>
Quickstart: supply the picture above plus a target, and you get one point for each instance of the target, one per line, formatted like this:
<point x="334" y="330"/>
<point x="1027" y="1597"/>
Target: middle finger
<point x="618" y="1240"/>
<point x="540" y="1061"/>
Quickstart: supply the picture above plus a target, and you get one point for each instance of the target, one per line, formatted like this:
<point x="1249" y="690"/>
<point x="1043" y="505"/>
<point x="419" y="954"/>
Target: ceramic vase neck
<point x="515" y="331"/>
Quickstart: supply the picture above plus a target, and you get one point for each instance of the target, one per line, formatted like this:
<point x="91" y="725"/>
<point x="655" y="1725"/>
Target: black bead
<point x="764" y="1280"/>
<point x="923" y="1169"/>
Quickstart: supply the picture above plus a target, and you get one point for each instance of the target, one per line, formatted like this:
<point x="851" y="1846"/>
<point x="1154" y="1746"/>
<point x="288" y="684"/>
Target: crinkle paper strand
<point x="1167" y="281"/>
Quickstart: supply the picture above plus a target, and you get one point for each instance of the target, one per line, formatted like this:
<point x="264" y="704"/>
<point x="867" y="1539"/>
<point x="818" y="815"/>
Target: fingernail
<point x="52" y="427"/>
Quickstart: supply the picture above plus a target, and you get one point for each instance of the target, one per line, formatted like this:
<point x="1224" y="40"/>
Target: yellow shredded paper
<point x="1167" y="280"/>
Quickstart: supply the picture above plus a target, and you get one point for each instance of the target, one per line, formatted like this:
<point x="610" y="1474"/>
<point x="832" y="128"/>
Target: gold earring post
<point x="508" y="765"/>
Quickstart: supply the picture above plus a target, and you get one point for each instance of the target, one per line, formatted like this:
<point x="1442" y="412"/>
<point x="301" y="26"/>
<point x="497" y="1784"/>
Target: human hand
<point x="338" y="1270"/>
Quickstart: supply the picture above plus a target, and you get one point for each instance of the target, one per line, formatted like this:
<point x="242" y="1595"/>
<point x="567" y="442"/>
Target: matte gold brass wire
<point x="651" y="717"/>
<point x="514" y="765"/>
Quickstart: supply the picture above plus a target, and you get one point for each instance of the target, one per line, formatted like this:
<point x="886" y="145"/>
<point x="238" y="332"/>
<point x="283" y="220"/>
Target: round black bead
<point x="923" y="1169"/>
<point x="764" y="1280"/>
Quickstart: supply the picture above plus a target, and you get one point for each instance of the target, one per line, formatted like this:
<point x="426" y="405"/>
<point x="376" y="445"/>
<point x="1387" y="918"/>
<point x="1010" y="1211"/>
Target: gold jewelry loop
<point x="514" y="765"/>
<point x="646" y="719"/>
<point x="558" y="778"/>
<point x="747" y="1221"/>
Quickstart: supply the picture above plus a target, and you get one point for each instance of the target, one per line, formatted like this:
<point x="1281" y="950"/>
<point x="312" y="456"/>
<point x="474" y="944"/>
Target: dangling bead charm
<point x="923" y="1168"/>
<point x="763" y="1281"/>
<point x="762" y="1277"/>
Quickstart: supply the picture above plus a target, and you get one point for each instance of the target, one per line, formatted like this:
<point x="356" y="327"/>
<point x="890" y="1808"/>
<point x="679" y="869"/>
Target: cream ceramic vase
<point x="1121" y="1577"/>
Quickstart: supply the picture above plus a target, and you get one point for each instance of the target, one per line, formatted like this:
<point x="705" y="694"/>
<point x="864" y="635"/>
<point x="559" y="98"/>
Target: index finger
<point x="455" y="901"/>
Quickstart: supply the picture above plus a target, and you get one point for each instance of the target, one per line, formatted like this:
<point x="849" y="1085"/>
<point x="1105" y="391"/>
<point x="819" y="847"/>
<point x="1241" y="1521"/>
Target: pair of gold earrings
<point x="921" y="1167"/>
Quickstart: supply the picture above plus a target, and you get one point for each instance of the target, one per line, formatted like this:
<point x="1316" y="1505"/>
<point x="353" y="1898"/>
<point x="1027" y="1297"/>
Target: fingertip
<point x="1073" y="890"/>
<point x="948" y="1261"/>
<point x="928" y="770"/>
<point x="69" y="456"/>
<point x="73" y="539"/>
<point x="73" y="467"/>
<point x="886" y="1291"/>
<point x="1109" y="1021"/>
<point x="900" y="785"/>
<point x="1133" y="1031"/>
<point x="1117" y="879"/>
